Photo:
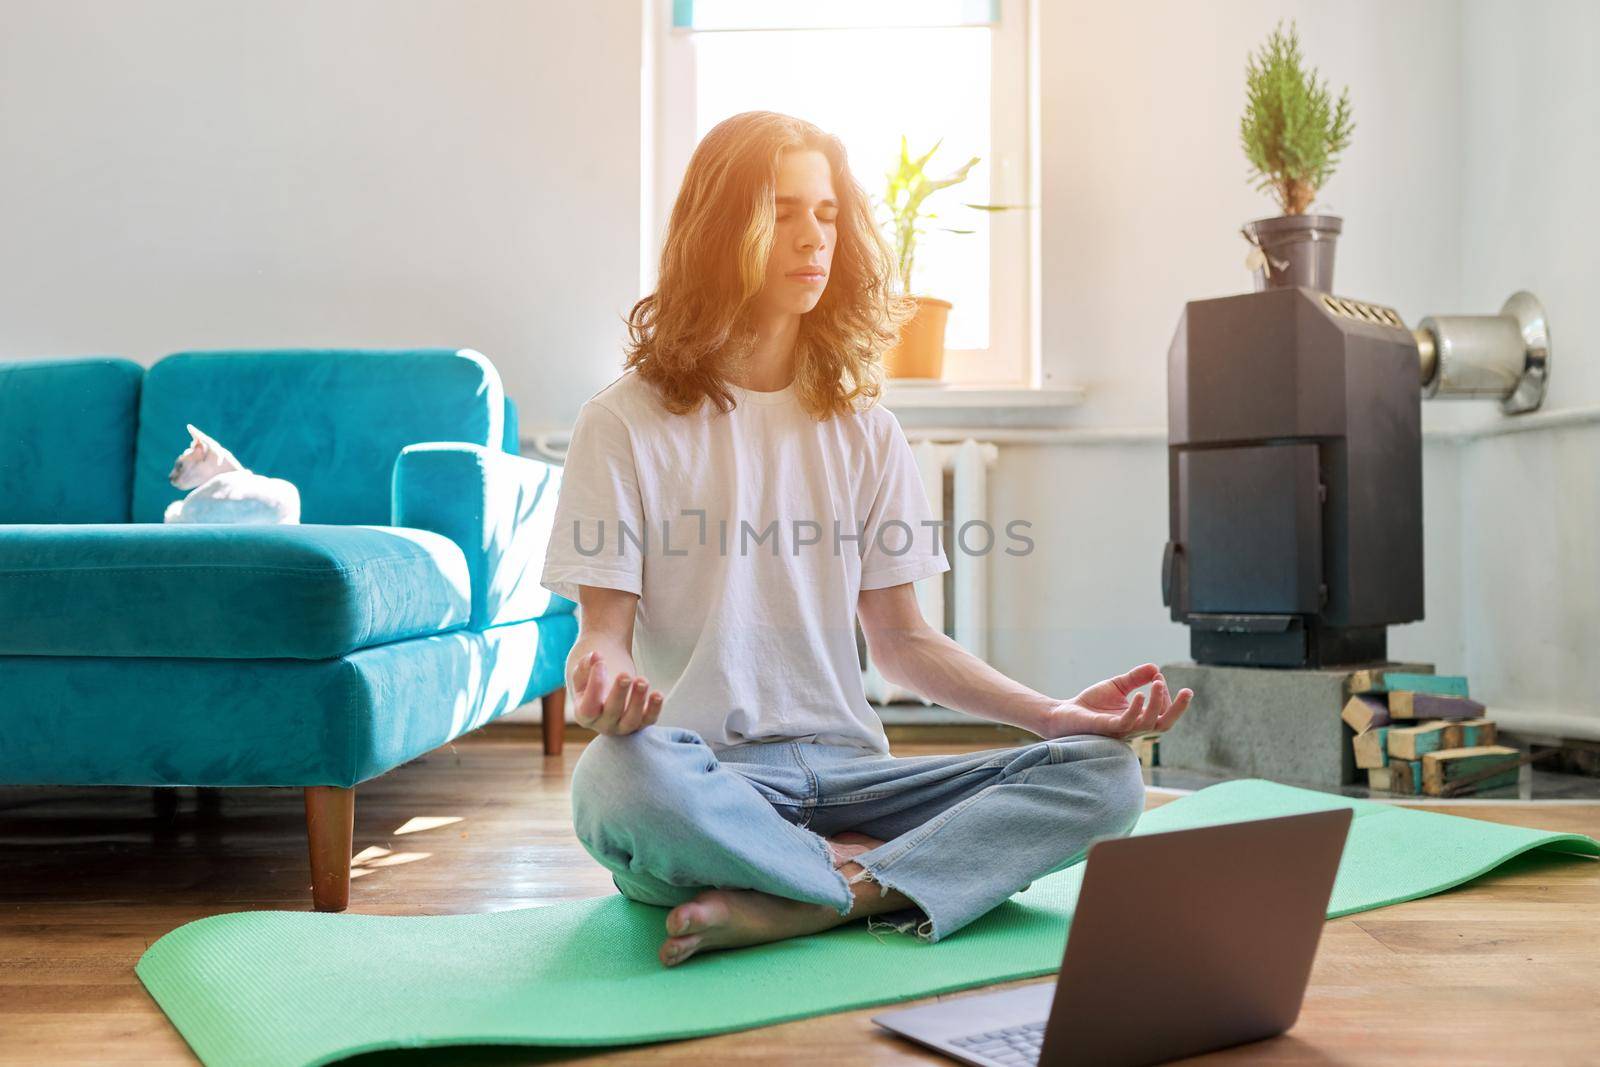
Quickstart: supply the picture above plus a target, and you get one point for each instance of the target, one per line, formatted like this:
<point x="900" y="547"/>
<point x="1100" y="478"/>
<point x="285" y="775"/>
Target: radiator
<point x="956" y="479"/>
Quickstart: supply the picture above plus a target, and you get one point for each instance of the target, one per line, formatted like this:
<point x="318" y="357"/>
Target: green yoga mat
<point x="297" y="988"/>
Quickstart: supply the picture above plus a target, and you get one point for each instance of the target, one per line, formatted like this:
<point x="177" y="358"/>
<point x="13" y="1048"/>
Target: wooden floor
<point x="1505" y="971"/>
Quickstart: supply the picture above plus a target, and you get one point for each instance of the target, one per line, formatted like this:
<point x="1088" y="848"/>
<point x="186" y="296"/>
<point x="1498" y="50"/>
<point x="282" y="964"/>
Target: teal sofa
<point x="405" y="611"/>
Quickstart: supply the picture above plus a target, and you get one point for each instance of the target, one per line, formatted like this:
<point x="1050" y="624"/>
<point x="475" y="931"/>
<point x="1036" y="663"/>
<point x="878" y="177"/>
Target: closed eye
<point x="828" y="207"/>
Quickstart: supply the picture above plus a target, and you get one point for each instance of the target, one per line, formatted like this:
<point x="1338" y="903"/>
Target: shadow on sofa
<point x="403" y="612"/>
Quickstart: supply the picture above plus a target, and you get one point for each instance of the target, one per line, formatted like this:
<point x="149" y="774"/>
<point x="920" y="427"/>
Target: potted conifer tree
<point x="1293" y="132"/>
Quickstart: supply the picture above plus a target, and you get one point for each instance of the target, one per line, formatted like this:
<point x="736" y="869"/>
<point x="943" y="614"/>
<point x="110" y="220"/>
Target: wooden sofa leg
<point x="330" y="827"/>
<point x="553" y="710"/>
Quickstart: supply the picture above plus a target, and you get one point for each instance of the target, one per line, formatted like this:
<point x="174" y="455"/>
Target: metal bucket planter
<point x="1293" y="251"/>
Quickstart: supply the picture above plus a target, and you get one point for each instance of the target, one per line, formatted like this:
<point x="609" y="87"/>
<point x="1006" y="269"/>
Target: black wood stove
<point x="1295" y="477"/>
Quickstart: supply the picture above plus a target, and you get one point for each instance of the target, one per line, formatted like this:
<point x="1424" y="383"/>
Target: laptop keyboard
<point x="1013" y="1045"/>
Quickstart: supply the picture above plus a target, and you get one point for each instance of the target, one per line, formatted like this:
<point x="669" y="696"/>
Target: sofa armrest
<point x="500" y="510"/>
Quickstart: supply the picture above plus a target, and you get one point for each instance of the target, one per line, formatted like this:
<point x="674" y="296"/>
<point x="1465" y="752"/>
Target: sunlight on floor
<point x="425" y="822"/>
<point x="374" y="857"/>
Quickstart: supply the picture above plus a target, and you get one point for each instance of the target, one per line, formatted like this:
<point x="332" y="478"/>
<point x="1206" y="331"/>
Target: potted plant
<point x="920" y="352"/>
<point x="1293" y="132"/>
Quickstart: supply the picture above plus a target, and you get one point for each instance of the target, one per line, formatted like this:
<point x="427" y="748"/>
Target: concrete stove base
<point x="1266" y="722"/>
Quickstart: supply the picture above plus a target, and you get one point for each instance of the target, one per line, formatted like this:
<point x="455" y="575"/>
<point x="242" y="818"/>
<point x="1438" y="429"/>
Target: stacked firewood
<point x="1422" y="735"/>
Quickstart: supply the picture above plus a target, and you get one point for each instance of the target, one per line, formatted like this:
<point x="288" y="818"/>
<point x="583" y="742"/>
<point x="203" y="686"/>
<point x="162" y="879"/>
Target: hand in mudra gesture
<point x="1104" y="708"/>
<point x="629" y="704"/>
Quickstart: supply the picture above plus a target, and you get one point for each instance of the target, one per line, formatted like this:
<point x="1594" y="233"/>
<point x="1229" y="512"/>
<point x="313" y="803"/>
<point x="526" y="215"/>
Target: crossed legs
<point x="678" y="829"/>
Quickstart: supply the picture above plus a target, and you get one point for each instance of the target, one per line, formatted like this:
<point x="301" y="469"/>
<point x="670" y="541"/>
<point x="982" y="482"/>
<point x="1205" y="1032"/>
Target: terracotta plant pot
<point x="920" y="353"/>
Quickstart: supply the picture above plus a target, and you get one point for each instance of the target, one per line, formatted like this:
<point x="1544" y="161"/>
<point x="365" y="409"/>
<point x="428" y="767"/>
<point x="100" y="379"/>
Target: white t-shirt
<point x="747" y="535"/>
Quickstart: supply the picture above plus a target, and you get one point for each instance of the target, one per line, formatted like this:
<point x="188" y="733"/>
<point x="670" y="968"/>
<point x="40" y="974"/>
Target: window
<point x="870" y="71"/>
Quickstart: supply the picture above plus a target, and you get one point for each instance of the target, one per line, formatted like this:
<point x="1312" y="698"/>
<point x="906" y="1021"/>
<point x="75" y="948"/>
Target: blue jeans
<point x="961" y="833"/>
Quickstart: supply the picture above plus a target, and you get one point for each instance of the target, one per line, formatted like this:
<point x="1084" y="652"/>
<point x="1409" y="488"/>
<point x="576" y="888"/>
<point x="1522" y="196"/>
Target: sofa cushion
<point x="211" y="591"/>
<point x="66" y="439"/>
<point x="330" y="421"/>
<point x="266" y="722"/>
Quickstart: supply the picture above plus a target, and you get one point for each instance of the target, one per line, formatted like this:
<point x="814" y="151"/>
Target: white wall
<point x="1530" y="147"/>
<point x="1530" y="533"/>
<point x="1145" y="182"/>
<point x="1086" y="602"/>
<point x="184" y="173"/>
<point x="1530" y="510"/>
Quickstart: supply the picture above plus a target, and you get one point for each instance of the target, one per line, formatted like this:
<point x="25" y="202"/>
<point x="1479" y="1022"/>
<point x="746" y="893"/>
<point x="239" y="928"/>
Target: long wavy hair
<point x="688" y="335"/>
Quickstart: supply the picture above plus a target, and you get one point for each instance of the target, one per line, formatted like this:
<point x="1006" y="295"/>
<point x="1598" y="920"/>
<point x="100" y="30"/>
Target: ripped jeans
<point x="961" y="833"/>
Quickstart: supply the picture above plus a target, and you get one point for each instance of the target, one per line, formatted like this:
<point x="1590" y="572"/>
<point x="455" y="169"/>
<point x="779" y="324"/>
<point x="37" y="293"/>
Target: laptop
<point x="1182" y="942"/>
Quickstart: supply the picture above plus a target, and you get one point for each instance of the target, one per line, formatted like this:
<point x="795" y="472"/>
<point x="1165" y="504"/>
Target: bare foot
<point x="848" y="845"/>
<point x="729" y="918"/>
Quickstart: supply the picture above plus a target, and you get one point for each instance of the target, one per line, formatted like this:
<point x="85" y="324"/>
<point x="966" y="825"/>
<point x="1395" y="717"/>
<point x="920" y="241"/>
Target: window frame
<point x="1013" y="356"/>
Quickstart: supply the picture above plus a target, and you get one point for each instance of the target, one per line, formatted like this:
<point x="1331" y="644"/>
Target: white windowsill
<point x="978" y="406"/>
<point x="943" y="410"/>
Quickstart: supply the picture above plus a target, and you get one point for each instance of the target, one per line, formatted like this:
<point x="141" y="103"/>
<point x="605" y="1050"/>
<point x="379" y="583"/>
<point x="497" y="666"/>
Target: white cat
<point x="224" y="491"/>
